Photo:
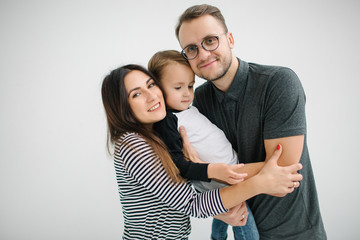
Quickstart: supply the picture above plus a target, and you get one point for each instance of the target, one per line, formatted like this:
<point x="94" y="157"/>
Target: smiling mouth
<point x="207" y="64"/>
<point x="154" y="107"/>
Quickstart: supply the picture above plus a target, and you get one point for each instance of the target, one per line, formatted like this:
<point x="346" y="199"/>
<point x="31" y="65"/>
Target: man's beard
<point x="221" y="74"/>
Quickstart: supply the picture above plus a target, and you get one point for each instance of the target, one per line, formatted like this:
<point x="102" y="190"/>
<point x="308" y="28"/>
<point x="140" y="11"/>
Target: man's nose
<point x="203" y="54"/>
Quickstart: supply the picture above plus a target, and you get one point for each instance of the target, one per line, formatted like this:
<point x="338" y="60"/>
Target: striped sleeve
<point x="145" y="167"/>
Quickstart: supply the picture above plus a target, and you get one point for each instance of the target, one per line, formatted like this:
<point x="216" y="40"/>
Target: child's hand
<point x="226" y="173"/>
<point x="188" y="150"/>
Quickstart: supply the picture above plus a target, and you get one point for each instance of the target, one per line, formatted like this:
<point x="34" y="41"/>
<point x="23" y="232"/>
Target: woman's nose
<point x="150" y="96"/>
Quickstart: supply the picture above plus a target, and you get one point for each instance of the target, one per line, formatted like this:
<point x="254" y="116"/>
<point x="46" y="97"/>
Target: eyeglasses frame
<point x="197" y="48"/>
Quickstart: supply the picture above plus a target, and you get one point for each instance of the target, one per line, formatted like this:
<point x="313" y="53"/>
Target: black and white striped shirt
<point x="153" y="206"/>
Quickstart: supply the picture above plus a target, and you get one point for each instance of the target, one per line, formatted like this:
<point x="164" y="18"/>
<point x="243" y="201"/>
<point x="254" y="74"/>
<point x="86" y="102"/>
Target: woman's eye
<point x="151" y="85"/>
<point x="135" y="95"/>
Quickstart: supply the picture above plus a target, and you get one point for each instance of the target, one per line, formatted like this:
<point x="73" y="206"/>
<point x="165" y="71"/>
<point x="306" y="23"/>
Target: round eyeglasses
<point x="210" y="43"/>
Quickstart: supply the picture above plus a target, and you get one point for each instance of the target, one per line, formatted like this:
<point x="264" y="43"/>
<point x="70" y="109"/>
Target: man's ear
<point x="230" y="39"/>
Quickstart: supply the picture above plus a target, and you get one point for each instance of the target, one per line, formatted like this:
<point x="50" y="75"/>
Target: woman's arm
<point x="292" y="150"/>
<point x="145" y="167"/>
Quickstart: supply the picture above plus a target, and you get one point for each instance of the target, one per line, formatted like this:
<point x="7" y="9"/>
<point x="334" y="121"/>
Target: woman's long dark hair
<point x="120" y="118"/>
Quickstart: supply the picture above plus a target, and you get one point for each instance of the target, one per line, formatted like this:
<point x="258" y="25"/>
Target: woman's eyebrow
<point x="147" y="81"/>
<point x="137" y="88"/>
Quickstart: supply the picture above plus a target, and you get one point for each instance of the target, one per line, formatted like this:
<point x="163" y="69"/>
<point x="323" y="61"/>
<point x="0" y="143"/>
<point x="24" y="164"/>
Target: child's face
<point x="177" y="82"/>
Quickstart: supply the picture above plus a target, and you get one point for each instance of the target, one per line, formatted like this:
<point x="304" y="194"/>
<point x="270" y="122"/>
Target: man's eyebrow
<point x="137" y="88"/>
<point x="207" y="36"/>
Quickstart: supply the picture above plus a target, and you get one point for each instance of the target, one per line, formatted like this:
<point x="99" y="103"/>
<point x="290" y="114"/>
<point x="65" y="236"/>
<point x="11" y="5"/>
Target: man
<point x="257" y="107"/>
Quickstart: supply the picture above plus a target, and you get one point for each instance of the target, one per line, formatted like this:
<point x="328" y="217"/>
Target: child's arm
<point x="250" y="169"/>
<point x="219" y="171"/>
<point x="194" y="169"/>
<point x="226" y="173"/>
<point x="167" y="131"/>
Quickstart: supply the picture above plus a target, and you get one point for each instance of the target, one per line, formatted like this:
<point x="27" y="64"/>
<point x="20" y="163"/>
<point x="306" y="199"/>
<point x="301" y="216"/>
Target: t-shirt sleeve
<point x="145" y="168"/>
<point x="167" y="131"/>
<point x="284" y="106"/>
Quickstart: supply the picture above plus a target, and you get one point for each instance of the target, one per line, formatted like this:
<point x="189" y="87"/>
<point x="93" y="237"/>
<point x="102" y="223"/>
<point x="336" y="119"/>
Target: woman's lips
<point x="156" y="106"/>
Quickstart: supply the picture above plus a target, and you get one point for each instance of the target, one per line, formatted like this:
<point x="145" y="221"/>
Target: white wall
<point x="56" y="181"/>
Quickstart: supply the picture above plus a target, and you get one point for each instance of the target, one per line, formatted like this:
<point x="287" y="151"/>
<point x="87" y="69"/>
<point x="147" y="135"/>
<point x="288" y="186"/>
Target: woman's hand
<point x="276" y="180"/>
<point x="226" y="173"/>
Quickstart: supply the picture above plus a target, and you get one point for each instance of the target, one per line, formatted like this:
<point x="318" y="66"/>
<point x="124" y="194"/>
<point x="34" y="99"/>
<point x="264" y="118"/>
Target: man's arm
<point x="292" y="149"/>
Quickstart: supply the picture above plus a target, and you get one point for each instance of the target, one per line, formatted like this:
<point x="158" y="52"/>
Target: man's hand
<point x="188" y="150"/>
<point x="237" y="216"/>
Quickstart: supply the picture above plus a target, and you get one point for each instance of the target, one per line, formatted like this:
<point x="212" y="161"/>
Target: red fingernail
<point x="278" y="147"/>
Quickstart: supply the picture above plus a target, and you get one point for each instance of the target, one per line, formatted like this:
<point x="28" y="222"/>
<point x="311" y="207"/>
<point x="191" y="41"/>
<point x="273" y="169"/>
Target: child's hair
<point x="121" y="119"/>
<point x="161" y="59"/>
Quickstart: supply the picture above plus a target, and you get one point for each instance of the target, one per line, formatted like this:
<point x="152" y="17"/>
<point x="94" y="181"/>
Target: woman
<point x="156" y="201"/>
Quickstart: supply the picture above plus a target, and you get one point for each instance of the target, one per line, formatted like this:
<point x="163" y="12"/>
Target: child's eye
<point x="191" y="86"/>
<point x="177" y="88"/>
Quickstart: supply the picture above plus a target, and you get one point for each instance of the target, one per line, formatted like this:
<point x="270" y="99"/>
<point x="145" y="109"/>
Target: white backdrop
<point x="56" y="180"/>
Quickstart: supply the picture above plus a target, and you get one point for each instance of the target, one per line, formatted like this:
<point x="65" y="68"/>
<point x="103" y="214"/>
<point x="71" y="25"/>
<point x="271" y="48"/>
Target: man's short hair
<point x="198" y="11"/>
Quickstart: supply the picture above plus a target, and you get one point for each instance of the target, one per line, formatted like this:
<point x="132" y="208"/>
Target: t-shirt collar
<point x="238" y="82"/>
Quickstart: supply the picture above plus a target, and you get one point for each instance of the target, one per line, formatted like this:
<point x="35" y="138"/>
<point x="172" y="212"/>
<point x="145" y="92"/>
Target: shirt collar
<point x="238" y="82"/>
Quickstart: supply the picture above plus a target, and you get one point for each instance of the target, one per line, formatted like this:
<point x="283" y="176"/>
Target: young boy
<point x="177" y="81"/>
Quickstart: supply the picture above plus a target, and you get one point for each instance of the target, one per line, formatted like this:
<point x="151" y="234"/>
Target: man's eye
<point x="191" y="49"/>
<point x="210" y="40"/>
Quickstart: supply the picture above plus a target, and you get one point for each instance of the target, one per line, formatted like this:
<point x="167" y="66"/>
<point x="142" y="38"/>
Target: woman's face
<point x="145" y="97"/>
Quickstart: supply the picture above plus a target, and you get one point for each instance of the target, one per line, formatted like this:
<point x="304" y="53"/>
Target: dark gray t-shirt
<point x="266" y="102"/>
